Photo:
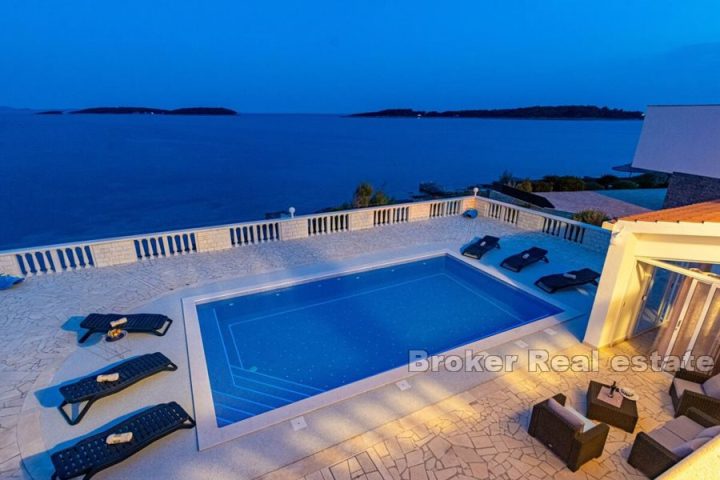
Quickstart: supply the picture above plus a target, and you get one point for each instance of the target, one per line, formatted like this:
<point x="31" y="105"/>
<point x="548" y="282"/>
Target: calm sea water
<point x="78" y="177"/>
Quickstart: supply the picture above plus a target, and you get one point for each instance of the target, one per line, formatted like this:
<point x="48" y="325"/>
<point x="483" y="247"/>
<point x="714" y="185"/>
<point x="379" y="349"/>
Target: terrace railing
<point x="155" y="246"/>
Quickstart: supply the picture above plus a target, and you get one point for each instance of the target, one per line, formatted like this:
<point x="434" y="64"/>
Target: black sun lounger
<point x="138" y="323"/>
<point x="93" y="454"/>
<point x="89" y="390"/>
<point x="523" y="259"/>
<point x="481" y="247"/>
<point x="575" y="278"/>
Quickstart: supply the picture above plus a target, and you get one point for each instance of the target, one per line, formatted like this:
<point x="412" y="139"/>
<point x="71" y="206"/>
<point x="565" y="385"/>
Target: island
<point x="156" y="111"/>
<point x="565" y="112"/>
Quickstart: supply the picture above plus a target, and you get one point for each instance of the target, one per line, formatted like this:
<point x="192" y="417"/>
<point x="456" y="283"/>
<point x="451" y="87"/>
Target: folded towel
<point x="109" y="377"/>
<point x="118" y="322"/>
<point x="115" y="438"/>
<point x="525" y="256"/>
<point x="571" y="276"/>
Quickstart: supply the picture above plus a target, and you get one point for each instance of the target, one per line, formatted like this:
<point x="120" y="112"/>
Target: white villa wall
<point x="620" y="289"/>
<point x="680" y="138"/>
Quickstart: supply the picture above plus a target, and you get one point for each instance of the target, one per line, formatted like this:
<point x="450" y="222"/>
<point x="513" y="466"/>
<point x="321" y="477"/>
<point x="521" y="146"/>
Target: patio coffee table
<point x="625" y="416"/>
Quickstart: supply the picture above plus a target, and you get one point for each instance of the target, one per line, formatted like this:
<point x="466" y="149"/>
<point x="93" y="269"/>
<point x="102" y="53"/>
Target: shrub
<point x="506" y="178"/>
<point x="366" y="196"/>
<point x="593" y="217"/>
<point x="624" y="185"/>
<point x="542" y="186"/>
<point x="568" y="184"/>
<point x="380" y="198"/>
<point x="607" y="180"/>
<point x="363" y="194"/>
<point x="593" y="185"/>
<point x="651" y="180"/>
<point x="526" y="185"/>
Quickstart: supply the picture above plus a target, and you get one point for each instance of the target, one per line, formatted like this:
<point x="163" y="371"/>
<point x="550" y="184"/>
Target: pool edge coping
<point x="209" y="434"/>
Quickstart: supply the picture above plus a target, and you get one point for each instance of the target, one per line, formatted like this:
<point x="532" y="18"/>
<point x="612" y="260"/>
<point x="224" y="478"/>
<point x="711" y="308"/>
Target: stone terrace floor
<point x="480" y="433"/>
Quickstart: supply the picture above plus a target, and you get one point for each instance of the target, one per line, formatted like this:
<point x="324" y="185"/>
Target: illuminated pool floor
<point x="270" y="349"/>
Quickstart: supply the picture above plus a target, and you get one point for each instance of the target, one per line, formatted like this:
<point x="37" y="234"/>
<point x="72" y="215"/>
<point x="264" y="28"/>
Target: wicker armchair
<point x="684" y="400"/>
<point x="652" y="458"/>
<point x="574" y="447"/>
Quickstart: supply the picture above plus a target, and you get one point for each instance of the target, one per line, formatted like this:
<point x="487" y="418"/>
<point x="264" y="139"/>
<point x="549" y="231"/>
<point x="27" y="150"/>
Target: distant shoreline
<point x="144" y="111"/>
<point x="569" y="112"/>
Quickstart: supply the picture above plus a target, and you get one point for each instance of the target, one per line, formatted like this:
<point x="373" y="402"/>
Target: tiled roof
<point x="706" y="212"/>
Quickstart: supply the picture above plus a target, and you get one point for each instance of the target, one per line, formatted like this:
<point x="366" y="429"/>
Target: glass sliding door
<point x="706" y="339"/>
<point x="662" y="288"/>
<point x="681" y="312"/>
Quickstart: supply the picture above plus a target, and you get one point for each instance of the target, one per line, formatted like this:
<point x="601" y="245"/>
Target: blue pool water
<point x="651" y="198"/>
<point x="269" y="349"/>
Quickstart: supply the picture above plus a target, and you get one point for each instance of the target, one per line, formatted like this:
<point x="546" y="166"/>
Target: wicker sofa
<point x="569" y="441"/>
<point x="655" y="452"/>
<point x="694" y="389"/>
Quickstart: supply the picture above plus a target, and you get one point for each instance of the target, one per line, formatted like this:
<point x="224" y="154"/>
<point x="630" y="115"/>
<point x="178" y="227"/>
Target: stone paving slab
<point x="483" y="434"/>
<point x="32" y="315"/>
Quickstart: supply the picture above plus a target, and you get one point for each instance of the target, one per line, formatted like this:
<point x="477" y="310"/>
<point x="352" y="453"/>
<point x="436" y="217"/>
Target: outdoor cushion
<point x="710" y="432"/>
<point x="7" y="281"/>
<point x="571" y="419"/>
<point x="683" y="427"/>
<point x="686" y="448"/>
<point x="666" y="438"/>
<point x="712" y="387"/>
<point x="681" y="385"/>
<point x="587" y="423"/>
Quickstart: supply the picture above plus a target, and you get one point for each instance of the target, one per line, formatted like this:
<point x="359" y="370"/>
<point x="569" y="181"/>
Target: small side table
<point x="625" y="416"/>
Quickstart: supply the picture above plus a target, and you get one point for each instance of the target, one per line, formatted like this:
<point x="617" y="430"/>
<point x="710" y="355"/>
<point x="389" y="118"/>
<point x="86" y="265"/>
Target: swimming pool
<point x="273" y="348"/>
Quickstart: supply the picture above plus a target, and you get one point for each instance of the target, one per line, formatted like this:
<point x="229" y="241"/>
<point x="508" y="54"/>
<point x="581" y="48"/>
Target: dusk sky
<point x="339" y="56"/>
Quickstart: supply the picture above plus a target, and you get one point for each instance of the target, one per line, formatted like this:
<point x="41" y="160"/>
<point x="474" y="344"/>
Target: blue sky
<point x="344" y="56"/>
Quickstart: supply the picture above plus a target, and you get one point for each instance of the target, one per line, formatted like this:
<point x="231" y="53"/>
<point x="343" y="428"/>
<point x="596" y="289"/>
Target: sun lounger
<point x="525" y="258"/>
<point x="93" y="454"/>
<point x="139" y="323"/>
<point x="89" y="389"/>
<point x="575" y="278"/>
<point x="481" y="247"/>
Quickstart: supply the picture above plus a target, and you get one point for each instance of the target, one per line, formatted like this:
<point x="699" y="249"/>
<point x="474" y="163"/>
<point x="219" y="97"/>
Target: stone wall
<point x="114" y="253"/>
<point x="589" y="236"/>
<point x="685" y="189"/>
<point x="293" y="229"/>
<point x="361" y="219"/>
<point x="122" y="250"/>
<point x="419" y="211"/>
<point x="9" y="265"/>
<point x="529" y="221"/>
<point x="212" y="240"/>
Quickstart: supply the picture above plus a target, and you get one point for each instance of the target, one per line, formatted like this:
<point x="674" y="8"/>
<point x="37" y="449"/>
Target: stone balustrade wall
<point x="118" y="251"/>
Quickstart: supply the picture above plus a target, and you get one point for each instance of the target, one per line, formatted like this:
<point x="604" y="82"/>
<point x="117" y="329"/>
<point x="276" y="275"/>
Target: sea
<point x="82" y="177"/>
